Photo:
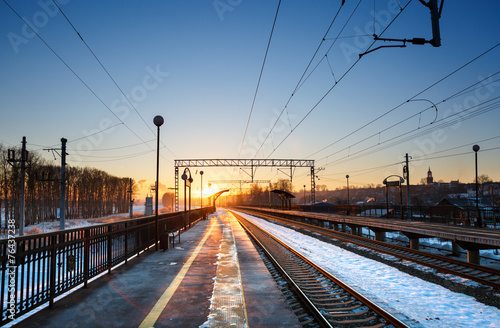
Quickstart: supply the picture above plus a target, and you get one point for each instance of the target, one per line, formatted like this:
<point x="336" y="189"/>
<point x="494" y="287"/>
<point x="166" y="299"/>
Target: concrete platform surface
<point x="213" y="278"/>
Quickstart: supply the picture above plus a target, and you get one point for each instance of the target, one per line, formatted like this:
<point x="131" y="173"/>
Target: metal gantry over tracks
<point x="247" y="164"/>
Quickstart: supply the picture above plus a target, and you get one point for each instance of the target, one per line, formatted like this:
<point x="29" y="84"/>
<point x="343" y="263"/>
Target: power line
<point x="300" y="83"/>
<point x="340" y="79"/>
<point x="72" y="71"/>
<point x="260" y="77"/>
<point x="119" y="158"/>
<point x="455" y="155"/>
<point x="463" y="91"/>
<point x="401" y="104"/>
<point x="114" y="148"/>
<point x="109" y="75"/>
<point x="409" y="135"/>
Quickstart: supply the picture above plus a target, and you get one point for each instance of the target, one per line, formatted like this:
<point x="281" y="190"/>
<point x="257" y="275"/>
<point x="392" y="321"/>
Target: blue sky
<point x="197" y="64"/>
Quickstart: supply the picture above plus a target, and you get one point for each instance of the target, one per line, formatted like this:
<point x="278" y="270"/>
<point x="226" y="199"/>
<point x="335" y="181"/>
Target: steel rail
<point x="313" y="310"/>
<point x="401" y="252"/>
<point x="389" y="318"/>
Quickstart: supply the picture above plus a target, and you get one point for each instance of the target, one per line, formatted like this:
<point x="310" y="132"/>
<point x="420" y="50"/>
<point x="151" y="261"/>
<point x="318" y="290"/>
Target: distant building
<point x="466" y="202"/>
<point x="430" y="179"/>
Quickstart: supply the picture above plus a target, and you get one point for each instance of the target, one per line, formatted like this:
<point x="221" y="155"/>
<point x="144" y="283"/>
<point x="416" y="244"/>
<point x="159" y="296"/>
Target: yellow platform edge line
<point x="154" y="314"/>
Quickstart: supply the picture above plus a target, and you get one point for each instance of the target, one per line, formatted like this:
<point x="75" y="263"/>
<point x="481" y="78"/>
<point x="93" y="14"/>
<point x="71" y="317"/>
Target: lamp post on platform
<point x="304" y="195"/>
<point x="187" y="183"/>
<point x="476" y="148"/>
<point x="201" y="194"/>
<point x="158" y="121"/>
<point x="348" y="198"/>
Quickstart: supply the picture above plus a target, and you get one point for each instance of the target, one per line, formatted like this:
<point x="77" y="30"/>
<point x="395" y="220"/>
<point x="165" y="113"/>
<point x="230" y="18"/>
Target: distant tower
<point x="430" y="179"/>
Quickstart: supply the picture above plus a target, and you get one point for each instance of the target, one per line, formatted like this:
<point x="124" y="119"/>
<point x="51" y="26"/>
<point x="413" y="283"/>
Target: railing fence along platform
<point x="38" y="268"/>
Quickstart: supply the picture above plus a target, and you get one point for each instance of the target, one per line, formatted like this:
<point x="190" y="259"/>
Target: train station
<point x="230" y="163"/>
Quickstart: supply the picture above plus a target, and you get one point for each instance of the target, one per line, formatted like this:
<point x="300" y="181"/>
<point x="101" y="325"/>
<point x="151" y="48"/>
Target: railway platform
<point x="213" y="278"/>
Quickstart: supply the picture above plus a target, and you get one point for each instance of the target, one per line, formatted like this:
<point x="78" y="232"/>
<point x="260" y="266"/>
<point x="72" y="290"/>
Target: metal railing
<point x="445" y="214"/>
<point x="38" y="268"/>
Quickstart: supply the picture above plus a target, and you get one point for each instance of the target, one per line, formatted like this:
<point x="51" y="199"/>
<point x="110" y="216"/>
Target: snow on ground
<point x="404" y="295"/>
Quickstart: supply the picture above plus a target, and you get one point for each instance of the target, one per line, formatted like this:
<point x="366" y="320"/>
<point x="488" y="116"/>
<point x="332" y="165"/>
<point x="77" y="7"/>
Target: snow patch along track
<point x="429" y="305"/>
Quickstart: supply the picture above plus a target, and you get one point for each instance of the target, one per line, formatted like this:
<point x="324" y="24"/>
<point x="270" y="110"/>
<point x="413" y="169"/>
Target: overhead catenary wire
<point x="461" y="92"/>
<point x="113" y="148"/>
<point x="119" y="158"/>
<point x="78" y="77"/>
<point x="107" y="72"/>
<point x="408" y="135"/>
<point x="301" y="79"/>
<point x="406" y="101"/>
<point x="260" y="77"/>
<point x="340" y="79"/>
<point x="71" y="70"/>
<point x="481" y="108"/>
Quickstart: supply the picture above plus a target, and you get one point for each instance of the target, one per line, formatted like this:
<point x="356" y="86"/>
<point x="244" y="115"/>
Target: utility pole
<point x="11" y="159"/>
<point x="62" y="205"/>
<point x="23" y="173"/>
<point x="406" y="175"/>
<point x="63" y="182"/>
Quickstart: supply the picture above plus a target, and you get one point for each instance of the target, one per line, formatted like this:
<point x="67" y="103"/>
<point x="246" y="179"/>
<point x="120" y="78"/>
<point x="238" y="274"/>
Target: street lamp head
<point x="158" y="120"/>
<point x="191" y="179"/>
<point x="475" y="148"/>
<point x="347" y="176"/>
<point x="201" y="172"/>
<point x="184" y="176"/>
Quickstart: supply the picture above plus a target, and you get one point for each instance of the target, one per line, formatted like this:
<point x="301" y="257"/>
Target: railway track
<point x="481" y="274"/>
<point x="325" y="301"/>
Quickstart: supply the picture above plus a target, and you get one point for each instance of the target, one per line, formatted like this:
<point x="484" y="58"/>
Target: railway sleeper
<point x="351" y="308"/>
<point x="323" y="294"/>
<point x="330" y="293"/>
<point x="355" y="321"/>
<point x="333" y="300"/>
<point x="343" y="314"/>
<point x="318" y="280"/>
<point x="318" y="285"/>
<point x="302" y="316"/>
<point x="485" y="275"/>
<point x="304" y="273"/>
<point x="319" y="288"/>
<point x="326" y="297"/>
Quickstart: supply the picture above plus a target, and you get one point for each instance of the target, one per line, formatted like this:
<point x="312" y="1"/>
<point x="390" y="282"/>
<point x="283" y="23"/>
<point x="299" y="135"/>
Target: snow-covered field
<point x="417" y="302"/>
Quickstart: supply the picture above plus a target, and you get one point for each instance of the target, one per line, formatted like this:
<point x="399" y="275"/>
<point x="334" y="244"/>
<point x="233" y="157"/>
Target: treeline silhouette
<point x="90" y="192"/>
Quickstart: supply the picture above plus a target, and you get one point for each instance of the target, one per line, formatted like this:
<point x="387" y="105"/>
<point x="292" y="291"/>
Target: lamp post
<point x="158" y="121"/>
<point x="304" y="194"/>
<point x="187" y="183"/>
<point x="476" y="148"/>
<point x="201" y="194"/>
<point x="348" y="198"/>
